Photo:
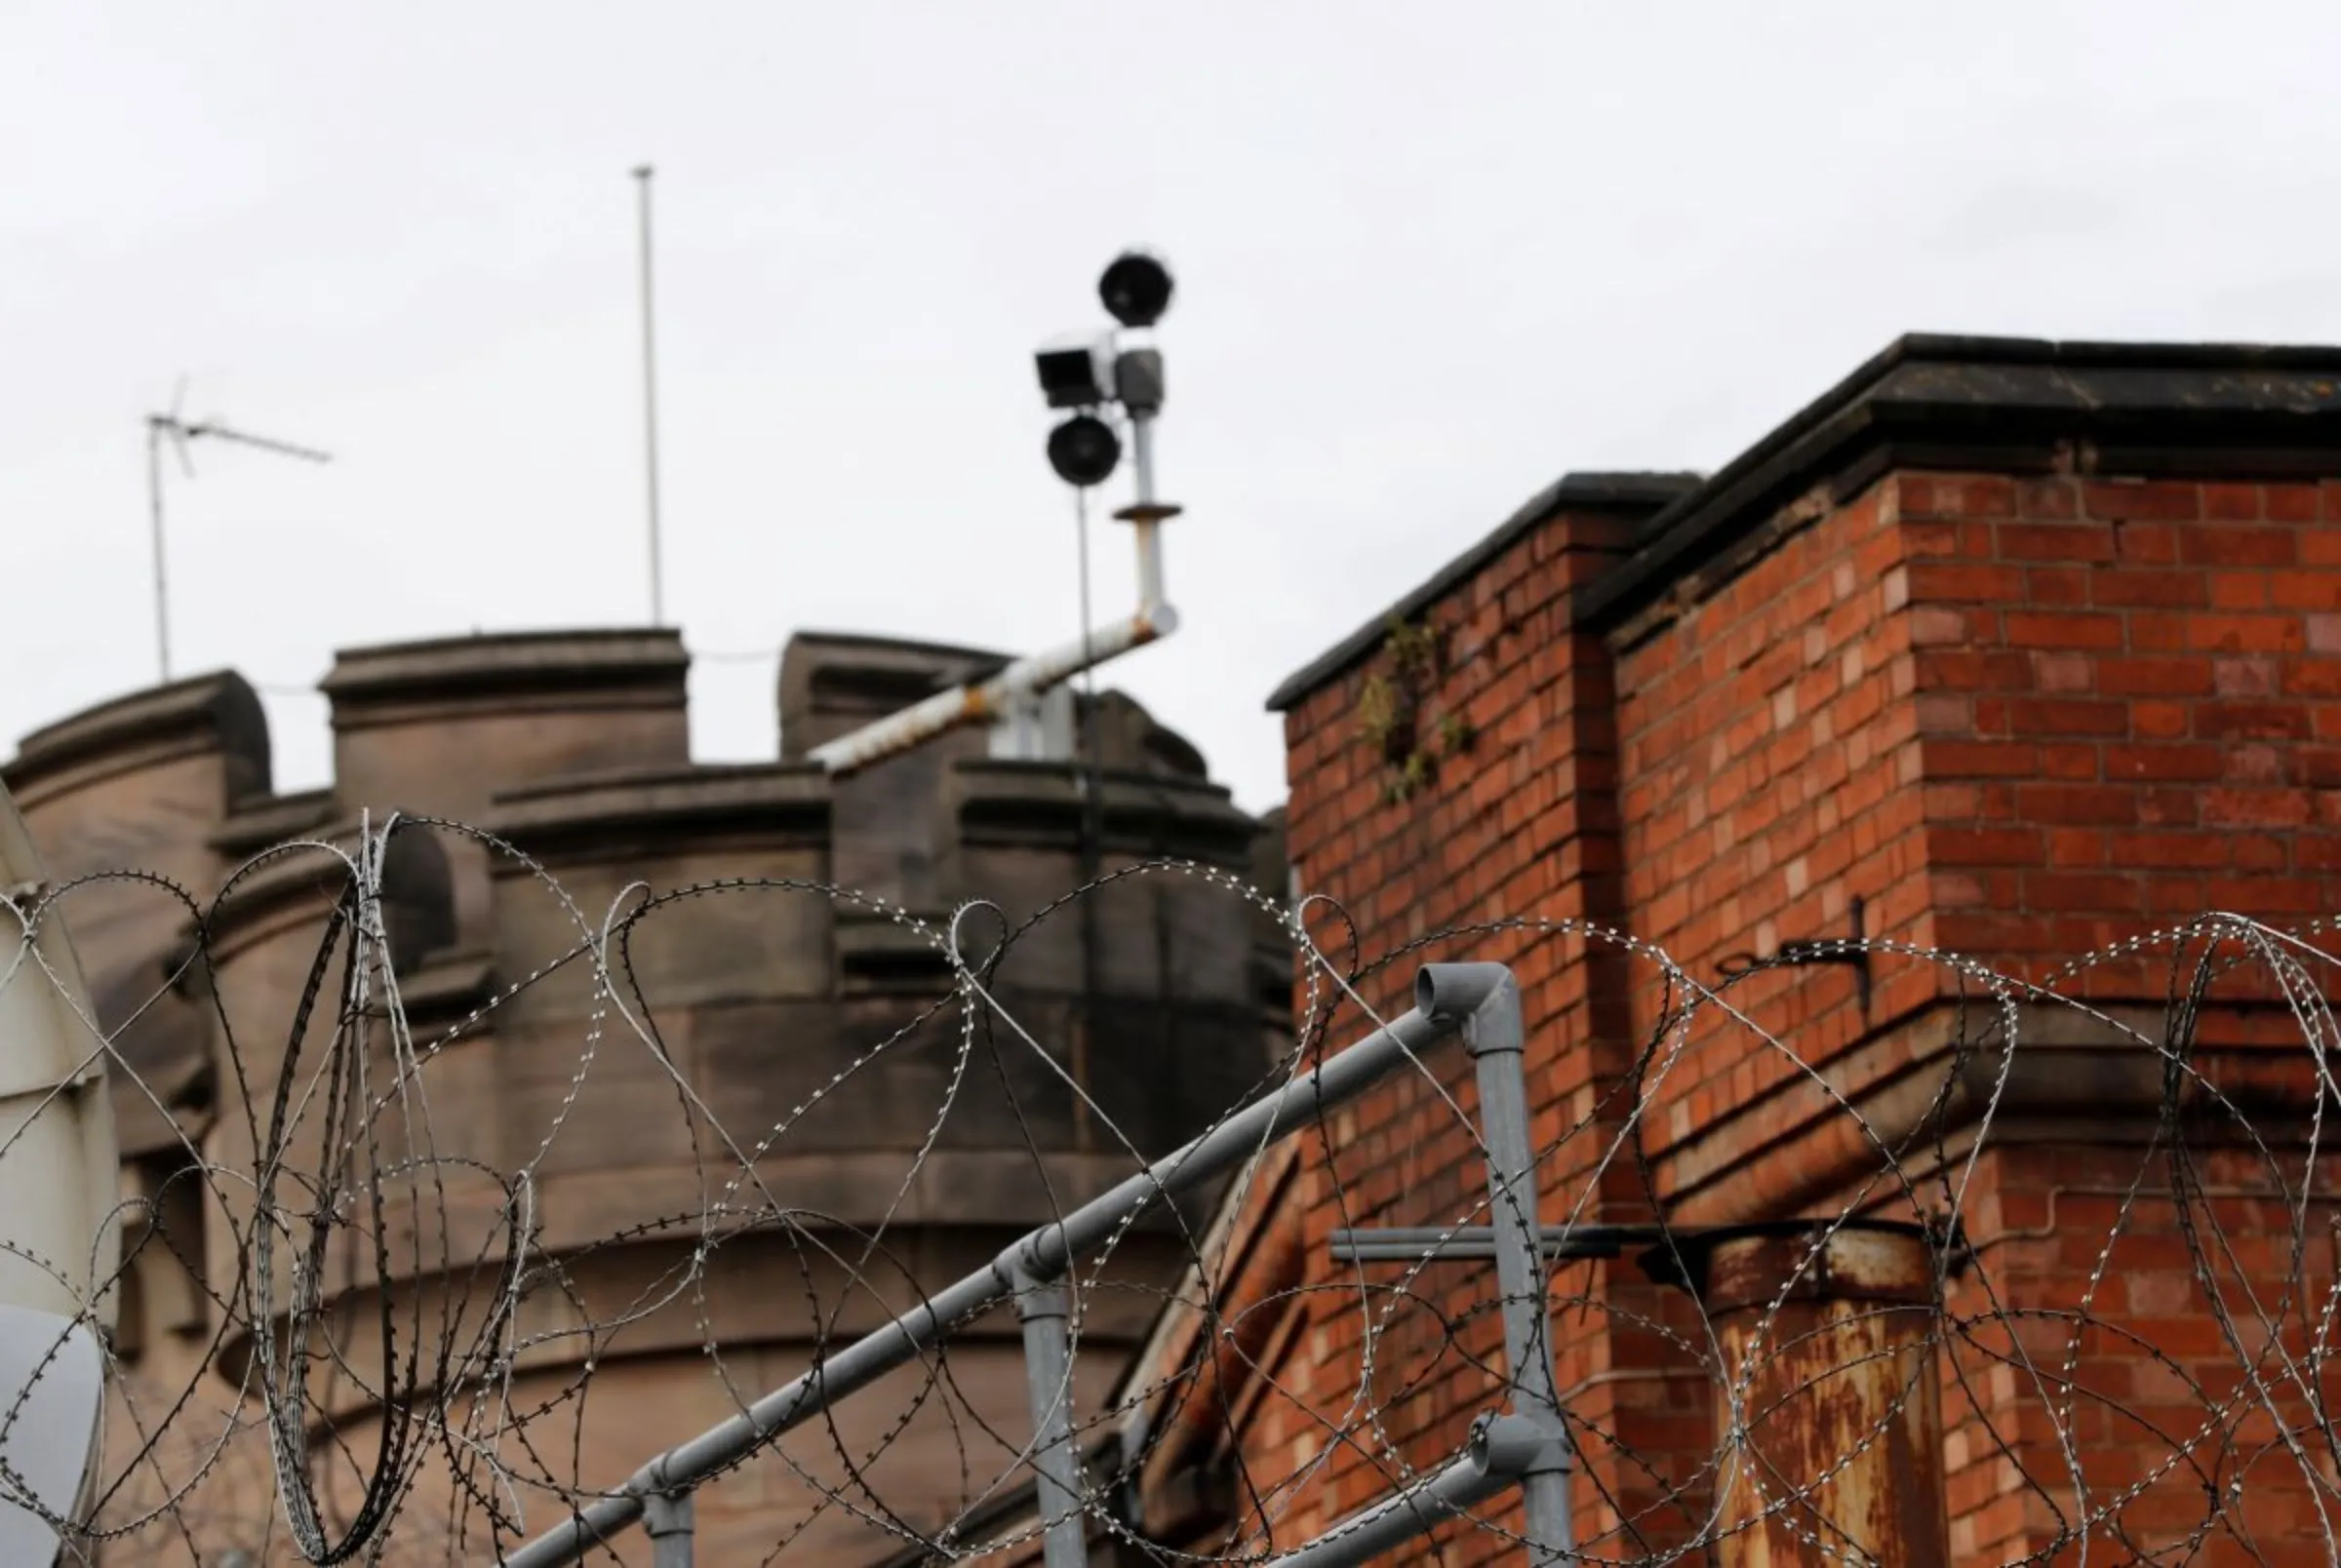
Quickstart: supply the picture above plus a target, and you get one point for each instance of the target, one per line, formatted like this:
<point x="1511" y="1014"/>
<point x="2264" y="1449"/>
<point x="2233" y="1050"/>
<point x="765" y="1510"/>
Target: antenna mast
<point x="650" y="397"/>
<point x="169" y="428"/>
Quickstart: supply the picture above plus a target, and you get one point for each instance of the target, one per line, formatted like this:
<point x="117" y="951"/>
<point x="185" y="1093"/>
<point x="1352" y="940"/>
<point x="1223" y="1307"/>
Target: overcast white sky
<point x="1429" y="257"/>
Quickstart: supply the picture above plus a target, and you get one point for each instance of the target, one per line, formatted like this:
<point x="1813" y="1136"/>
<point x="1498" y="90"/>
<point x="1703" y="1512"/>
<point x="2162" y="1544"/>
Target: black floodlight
<point x="1084" y="451"/>
<point x="1070" y="375"/>
<point x="1136" y="288"/>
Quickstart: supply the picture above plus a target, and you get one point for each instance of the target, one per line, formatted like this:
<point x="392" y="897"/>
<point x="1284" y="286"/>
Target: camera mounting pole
<point x="1085" y="374"/>
<point x="1139" y="383"/>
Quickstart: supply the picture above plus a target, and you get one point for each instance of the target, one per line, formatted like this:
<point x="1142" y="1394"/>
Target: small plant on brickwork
<point x="1390" y="710"/>
<point x="1454" y="735"/>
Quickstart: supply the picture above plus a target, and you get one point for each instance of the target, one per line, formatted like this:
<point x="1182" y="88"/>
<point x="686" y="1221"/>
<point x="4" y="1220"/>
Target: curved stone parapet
<point x="211" y="720"/>
<point x="143" y="783"/>
<point x="443" y="727"/>
<point x="783" y="1032"/>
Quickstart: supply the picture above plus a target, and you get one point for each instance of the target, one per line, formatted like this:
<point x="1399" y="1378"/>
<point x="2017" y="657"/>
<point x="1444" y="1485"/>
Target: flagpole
<point x="650" y="399"/>
<point x="154" y="509"/>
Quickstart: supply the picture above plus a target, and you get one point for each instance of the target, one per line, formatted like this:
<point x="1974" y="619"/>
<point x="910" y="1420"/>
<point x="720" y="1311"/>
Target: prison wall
<point x="772" y="1025"/>
<point x="1464" y="778"/>
<point x="2015" y="650"/>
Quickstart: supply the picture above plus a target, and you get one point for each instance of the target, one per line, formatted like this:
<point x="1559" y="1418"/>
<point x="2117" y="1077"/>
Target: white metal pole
<point x="154" y="509"/>
<point x="650" y="398"/>
<point x="1146" y="518"/>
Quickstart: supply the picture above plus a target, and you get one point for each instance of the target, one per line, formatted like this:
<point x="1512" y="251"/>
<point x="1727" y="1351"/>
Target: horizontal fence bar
<point x="1421" y="1243"/>
<point x="1044" y="1254"/>
<point x="1502" y="1449"/>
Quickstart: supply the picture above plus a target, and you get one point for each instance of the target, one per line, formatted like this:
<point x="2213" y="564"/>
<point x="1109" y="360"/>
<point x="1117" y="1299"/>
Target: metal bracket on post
<point x="669" y="1519"/>
<point x="1041" y="1306"/>
<point x="1485" y="1000"/>
<point x="1806" y="951"/>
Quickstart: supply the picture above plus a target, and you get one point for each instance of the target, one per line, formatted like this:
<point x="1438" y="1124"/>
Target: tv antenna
<point x="176" y="432"/>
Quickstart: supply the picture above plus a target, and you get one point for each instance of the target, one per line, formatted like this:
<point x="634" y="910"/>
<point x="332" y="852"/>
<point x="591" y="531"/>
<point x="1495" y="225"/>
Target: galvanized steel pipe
<point x="1503" y="1448"/>
<point x="1044" y="1254"/>
<point x="1485" y="1000"/>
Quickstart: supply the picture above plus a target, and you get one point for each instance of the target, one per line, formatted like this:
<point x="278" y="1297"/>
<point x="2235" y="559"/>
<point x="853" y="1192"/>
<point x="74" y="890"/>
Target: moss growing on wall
<point x="1393" y="710"/>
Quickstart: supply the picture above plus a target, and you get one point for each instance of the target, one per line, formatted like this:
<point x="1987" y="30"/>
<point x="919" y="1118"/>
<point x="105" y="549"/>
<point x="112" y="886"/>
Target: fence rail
<point x="1478" y="1000"/>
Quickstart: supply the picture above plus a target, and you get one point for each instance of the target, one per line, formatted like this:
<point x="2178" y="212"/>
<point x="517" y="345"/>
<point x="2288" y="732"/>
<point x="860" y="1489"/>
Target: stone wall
<point x="762" y="1042"/>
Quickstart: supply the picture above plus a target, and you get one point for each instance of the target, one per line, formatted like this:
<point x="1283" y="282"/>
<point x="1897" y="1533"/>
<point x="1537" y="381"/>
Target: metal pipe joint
<point x="1482" y="998"/>
<point x="1512" y="1445"/>
<point x="669" y="1519"/>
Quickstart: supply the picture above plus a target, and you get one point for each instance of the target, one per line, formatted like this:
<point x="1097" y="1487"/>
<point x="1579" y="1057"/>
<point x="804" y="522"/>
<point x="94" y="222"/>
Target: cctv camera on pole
<point x="1094" y="373"/>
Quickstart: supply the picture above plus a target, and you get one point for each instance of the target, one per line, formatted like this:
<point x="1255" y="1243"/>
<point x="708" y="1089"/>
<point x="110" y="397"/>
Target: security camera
<point x="1136" y="288"/>
<point x="1138" y="381"/>
<point x="1072" y="372"/>
<point x="1084" y="451"/>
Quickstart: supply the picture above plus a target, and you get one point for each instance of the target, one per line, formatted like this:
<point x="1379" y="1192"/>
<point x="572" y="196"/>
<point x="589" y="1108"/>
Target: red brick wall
<point x="2124" y="693"/>
<point x="2019" y="719"/>
<point x="1772" y="758"/>
<point x="2099" y="1293"/>
<point x="1524" y="822"/>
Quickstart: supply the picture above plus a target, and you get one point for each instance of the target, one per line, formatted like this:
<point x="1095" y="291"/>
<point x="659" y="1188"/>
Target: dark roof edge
<point x="491" y="644"/>
<point x="2028" y="390"/>
<point x="1931" y="396"/>
<point x="1595" y="491"/>
<point x="879" y="643"/>
<point x="221" y="703"/>
<point x="491" y="666"/>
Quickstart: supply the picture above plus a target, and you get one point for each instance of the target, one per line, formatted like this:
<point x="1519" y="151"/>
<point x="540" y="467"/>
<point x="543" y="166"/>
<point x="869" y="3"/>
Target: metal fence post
<point x="1500" y="1450"/>
<point x="668" y="1519"/>
<point x="1047" y="1375"/>
<point x="1487" y="999"/>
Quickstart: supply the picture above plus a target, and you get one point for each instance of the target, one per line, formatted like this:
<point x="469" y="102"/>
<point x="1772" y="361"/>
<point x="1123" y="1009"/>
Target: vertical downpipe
<point x="1843" y="1459"/>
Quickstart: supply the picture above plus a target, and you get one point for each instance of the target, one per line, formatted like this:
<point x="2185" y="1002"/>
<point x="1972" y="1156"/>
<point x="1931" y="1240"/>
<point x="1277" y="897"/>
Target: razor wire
<point x="412" y="1330"/>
